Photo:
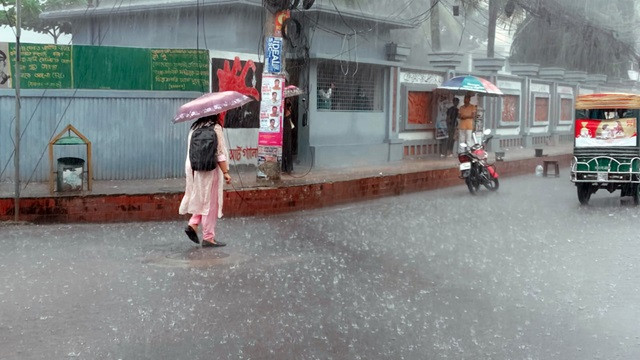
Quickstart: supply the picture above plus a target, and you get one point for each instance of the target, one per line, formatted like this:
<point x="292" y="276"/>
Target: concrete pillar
<point x="446" y="62"/>
<point x="524" y="70"/>
<point x="596" y="80"/>
<point x="551" y="73"/>
<point x="491" y="66"/>
<point x="575" y="76"/>
<point x="554" y="74"/>
<point x="393" y="127"/>
<point x="527" y="71"/>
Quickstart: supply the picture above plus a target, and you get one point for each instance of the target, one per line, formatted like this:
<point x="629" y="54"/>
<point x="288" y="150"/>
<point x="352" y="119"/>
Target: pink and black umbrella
<point x="211" y="104"/>
<point x="292" y="90"/>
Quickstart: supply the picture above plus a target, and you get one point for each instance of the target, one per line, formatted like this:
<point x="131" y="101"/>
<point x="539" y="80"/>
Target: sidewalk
<point x="143" y="200"/>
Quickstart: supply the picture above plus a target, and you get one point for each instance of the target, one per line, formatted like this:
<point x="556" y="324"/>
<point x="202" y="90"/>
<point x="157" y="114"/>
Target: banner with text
<point x="243" y="146"/>
<point x="48" y="66"/>
<point x="604" y="133"/>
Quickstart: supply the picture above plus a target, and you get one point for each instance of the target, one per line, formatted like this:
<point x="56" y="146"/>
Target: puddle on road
<point x="197" y="258"/>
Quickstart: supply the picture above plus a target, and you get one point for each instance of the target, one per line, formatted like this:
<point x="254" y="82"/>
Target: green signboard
<point x="116" y="68"/>
<point x="107" y="67"/>
<point x="180" y="69"/>
<point x="44" y="66"/>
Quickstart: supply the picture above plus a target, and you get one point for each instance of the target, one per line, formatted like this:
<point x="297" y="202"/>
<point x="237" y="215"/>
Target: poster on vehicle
<point x="605" y="133"/>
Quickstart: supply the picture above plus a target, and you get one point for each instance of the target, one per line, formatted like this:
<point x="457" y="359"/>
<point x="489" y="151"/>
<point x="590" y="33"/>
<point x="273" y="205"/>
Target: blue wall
<point x="131" y="132"/>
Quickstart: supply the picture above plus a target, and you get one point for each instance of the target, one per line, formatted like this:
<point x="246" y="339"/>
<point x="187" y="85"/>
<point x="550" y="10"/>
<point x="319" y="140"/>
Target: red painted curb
<point x="162" y="207"/>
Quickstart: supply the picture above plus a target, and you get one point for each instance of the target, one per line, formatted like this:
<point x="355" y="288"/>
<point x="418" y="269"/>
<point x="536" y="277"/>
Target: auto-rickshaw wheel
<point x="636" y="195"/>
<point x="584" y="193"/>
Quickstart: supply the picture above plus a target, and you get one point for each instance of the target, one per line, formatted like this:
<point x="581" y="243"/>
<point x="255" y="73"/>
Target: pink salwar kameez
<point x="204" y="191"/>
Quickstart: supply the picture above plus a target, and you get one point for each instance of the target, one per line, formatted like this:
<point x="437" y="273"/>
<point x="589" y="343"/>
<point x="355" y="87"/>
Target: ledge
<point x="575" y="76"/>
<point x="492" y="65"/>
<point x="524" y="69"/>
<point x="552" y="73"/>
<point x="596" y="79"/>
<point x="445" y="60"/>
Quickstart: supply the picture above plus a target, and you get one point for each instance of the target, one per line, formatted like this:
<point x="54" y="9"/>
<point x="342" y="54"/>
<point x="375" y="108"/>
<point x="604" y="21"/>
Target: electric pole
<point x="274" y="78"/>
<point x="16" y="140"/>
<point x="272" y="97"/>
<point x="435" y="26"/>
<point x="493" y="17"/>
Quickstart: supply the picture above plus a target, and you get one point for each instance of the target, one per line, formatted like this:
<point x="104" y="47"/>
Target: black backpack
<point x="203" y="148"/>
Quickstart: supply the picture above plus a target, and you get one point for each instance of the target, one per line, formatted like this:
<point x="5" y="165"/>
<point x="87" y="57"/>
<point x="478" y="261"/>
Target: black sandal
<point x="212" y="244"/>
<point x="192" y="234"/>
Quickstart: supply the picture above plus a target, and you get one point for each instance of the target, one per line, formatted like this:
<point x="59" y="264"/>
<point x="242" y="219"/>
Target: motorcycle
<point x="474" y="168"/>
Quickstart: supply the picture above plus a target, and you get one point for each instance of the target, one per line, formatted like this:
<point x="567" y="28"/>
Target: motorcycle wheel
<point x="472" y="185"/>
<point x="492" y="184"/>
<point x="584" y="193"/>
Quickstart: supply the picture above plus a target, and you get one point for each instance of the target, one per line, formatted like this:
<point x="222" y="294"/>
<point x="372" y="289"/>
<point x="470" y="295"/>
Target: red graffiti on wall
<point x="234" y="79"/>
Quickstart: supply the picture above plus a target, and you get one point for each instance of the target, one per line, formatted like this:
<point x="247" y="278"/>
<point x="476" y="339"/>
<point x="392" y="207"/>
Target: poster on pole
<point x="444" y="103"/>
<point x="281" y="17"/>
<point x="271" y="116"/>
<point x="273" y="55"/>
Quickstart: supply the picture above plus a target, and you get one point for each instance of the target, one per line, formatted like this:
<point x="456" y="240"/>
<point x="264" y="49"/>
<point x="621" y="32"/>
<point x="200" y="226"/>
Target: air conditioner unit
<point x="398" y="52"/>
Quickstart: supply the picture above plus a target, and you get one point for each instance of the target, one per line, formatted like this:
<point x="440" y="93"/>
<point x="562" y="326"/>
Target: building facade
<point x="378" y="110"/>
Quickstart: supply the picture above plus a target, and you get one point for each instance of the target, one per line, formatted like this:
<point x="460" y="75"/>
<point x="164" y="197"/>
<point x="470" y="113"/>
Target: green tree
<point x="586" y="35"/>
<point x="31" y="10"/>
<point x="590" y="36"/>
<point x="499" y="11"/>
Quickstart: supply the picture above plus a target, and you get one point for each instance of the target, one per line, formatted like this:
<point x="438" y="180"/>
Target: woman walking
<point x="204" y="189"/>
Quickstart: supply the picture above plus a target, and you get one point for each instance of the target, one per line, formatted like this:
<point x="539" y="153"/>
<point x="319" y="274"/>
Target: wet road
<point x="524" y="273"/>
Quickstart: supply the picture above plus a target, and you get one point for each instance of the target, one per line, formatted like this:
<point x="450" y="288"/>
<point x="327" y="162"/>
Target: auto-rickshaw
<point x="606" y="154"/>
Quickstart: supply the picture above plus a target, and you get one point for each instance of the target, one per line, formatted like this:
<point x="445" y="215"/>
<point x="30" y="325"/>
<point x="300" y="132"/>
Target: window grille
<point x="359" y="90"/>
<point x="419" y="107"/>
<point x="510" y="107"/>
<point x="566" y="109"/>
<point x="541" y="109"/>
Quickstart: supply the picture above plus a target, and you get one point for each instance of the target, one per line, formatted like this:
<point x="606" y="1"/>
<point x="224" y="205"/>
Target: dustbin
<point x="70" y="174"/>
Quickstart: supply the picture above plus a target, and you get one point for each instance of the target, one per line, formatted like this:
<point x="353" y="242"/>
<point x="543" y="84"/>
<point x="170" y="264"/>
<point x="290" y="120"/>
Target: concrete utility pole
<point x="493" y="17"/>
<point x="270" y="144"/>
<point x="435" y="26"/>
<point x="16" y="79"/>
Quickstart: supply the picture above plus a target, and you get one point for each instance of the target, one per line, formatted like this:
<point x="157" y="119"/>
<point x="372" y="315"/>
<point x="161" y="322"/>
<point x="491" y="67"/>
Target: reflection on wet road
<point x="524" y="273"/>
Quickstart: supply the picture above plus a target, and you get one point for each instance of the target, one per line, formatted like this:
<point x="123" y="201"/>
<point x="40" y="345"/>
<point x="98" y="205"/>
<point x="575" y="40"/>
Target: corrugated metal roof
<point x="608" y="101"/>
